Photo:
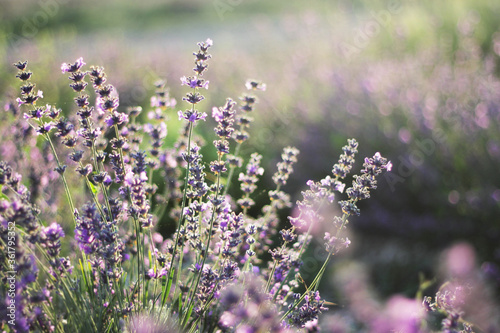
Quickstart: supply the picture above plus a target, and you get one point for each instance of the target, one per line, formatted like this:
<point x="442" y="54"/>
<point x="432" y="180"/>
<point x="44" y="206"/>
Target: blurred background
<point x="417" y="81"/>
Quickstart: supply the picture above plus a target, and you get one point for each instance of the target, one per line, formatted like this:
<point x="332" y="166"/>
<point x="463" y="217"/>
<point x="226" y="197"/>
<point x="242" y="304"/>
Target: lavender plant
<point x="211" y="274"/>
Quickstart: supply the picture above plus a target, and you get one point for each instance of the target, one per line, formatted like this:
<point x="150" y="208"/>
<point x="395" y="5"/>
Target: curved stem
<point x="65" y="183"/>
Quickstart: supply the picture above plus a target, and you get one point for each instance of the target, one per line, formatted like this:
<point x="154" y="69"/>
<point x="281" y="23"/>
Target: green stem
<point x="65" y="183"/>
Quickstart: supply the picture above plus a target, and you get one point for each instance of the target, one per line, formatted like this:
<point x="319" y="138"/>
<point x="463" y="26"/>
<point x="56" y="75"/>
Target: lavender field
<point x="249" y="166"/>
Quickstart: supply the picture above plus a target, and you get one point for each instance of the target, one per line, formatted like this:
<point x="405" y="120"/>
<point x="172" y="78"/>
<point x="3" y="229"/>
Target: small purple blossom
<point x="193" y="82"/>
<point x="116" y="118"/>
<point x="71" y="68"/>
<point x="24" y="75"/>
<point x="21" y="65"/>
<point x="45" y="128"/>
<point x="36" y="113"/>
<point x="29" y="98"/>
<point x="85" y="170"/>
<point x="285" y="167"/>
<point x="108" y="104"/>
<point x="191" y="116"/>
<point x="53" y="232"/>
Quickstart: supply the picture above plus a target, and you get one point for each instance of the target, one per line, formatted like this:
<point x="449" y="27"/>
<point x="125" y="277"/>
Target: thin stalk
<point x="65" y="183"/>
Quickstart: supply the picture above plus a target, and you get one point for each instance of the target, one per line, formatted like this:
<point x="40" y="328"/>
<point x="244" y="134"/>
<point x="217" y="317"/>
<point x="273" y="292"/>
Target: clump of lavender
<point x="23" y="304"/>
<point x="248" y="309"/>
<point x="449" y="301"/>
<point x="211" y="274"/>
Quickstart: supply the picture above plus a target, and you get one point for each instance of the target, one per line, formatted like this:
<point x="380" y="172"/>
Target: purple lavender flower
<point x="218" y="167"/>
<point x="254" y="314"/>
<point x="29" y="98"/>
<point x="309" y="311"/>
<point x="21" y="65"/>
<point x="194" y="82"/>
<point x="234" y="161"/>
<point x="195" y="97"/>
<point x="51" y="236"/>
<point x="224" y="116"/>
<point x="76" y="155"/>
<point x="362" y="185"/>
<point x="36" y="113"/>
<point x="86" y="229"/>
<point x="104" y="91"/>
<point x="98" y="76"/>
<point x="78" y="86"/>
<point x="157" y="134"/>
<point x="24" y="75"/>
<point x="285" y="167"/>
<point x="116" y="118"/>
<point x="107" y="104"/>
<point x="53" y="112"/>
<point x="196" y="173"/>
<point x="162" y="99"/>
<point x="334" y="243"/>
<point x="249" y="180"/>
<point x="64" y="127"/>
<point x="85" y="170"/>
<point x="71" y="68"/>
<point x="44" y="128"/>
<point x="208" y="287"/>
<point x="346" y="160"/>
<point x="77" y="76"/>
<point x="192" y="116"/>
<point x="27" y="88"/>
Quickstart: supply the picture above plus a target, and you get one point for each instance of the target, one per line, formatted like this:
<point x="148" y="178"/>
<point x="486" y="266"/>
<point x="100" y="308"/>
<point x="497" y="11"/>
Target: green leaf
<point x="2" y="195"/>
<point x="93" y="188"/>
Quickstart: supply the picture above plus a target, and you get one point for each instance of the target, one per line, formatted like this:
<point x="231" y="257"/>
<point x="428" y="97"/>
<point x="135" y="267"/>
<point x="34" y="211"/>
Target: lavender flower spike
<point x="51" y="236"/>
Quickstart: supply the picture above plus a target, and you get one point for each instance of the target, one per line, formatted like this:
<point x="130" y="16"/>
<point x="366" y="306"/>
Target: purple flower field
<point x="242" y="166"/>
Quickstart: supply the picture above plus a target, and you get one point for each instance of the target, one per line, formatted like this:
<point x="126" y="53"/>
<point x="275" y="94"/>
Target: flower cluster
<point x="99" y="240"/>
<point x="450" y="300"/>
<point x="365" y="182"/>
<point x="248" y="309"/>
<point x="309" y="311"/>
<point x="38" y="114"/>
<point x="289" y="157"/>
<point x="51" y="237"/>
<point x="224" y="116"/>
<point x="28" y="95"/>
<point x="249" y="180"/>
<point x="248" y="101"/>
<point x="20" y="232"/>
<point x="346" y="160"/>
<point x="213" y="273"/>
